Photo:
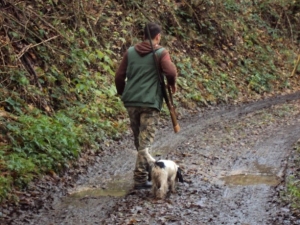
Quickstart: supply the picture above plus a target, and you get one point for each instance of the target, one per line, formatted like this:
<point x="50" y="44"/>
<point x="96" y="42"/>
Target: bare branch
<point x="48" y="24"/>
<point x="27" y="47"/>
<point x="100" y="12"/>
<point x="288" y="19"/>
<point x="296" y="66"/>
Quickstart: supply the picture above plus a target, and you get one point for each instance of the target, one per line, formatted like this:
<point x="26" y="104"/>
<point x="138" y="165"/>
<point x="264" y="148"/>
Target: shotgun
<point x="166" y="95"/>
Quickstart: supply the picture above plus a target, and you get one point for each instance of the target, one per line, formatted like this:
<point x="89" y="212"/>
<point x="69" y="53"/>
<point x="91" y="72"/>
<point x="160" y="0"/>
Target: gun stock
<point x="176" y="126"/>
<point x="171" y="108"/>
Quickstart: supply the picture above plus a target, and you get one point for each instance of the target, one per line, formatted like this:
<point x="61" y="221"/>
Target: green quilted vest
<point x="142" y="86"/>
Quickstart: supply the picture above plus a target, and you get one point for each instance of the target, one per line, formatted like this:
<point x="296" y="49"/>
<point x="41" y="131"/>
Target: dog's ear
<point x="179" y="175"/>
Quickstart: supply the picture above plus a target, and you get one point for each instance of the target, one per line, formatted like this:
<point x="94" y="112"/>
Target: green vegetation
<point x="58" y="60"/>
<point x="292" y="194"/>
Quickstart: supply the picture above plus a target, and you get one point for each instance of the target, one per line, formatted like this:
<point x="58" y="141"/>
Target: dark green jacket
<point x="142" y="86"/>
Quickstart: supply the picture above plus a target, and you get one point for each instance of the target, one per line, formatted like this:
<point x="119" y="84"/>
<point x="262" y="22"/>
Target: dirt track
<point x="234" y="161"/>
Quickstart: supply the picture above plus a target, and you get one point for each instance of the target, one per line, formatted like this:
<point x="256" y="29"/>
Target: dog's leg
<point x="172" y="183"/>
<point x="179" y="175"/>
<point x="154" y="189"/>
<point x="163" y="189"/>
<point x="155" y="174"/>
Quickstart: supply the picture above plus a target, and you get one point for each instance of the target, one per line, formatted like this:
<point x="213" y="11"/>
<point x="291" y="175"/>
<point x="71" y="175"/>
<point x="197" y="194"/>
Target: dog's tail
<point x="159" y="164"/>
<point x="179" y="175"/>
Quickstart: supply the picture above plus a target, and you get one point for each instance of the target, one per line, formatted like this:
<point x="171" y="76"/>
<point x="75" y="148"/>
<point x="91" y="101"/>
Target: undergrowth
<point x="58" y="60"/>
<point x="292" y="193"/>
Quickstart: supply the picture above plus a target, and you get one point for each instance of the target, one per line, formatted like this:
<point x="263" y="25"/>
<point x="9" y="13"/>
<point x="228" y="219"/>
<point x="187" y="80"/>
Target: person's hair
<point x="154" y="30"/>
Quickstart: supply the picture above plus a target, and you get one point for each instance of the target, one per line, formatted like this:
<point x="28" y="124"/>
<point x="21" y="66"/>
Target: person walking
<point x="138" y="84"/>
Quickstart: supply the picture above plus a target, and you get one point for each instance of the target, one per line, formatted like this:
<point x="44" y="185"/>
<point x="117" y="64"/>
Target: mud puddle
<point x="251" y="179"/>
<point x="263" y="175"/>
<point x="233" y="159"/>
<point x="117" y="187"/>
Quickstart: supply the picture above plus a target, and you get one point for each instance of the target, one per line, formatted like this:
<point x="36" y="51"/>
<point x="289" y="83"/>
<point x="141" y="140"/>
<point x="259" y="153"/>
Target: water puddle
<point x="251" y="179"/>
<point x="80" y="197"/>
<point x="97" y="192"/>
<point x="117" y="187"/>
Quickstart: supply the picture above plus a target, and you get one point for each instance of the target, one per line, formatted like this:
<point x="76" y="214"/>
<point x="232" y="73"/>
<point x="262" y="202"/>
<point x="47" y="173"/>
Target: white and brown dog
<point x="164" y="175"/>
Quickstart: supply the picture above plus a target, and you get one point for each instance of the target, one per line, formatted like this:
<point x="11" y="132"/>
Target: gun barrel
<point x="168" y="99"/>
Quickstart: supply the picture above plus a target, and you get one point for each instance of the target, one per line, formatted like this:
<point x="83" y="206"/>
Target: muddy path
<point x="234" y="160"/>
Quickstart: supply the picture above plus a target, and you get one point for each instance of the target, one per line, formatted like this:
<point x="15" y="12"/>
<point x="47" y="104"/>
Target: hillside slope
<point x="58" y="60"/>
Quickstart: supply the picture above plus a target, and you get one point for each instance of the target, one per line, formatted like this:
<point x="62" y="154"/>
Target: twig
<point x="296" y="66"/>
<point x="8" y="66"/>
<point x="194" y="14"/>
<point x="50" y="25"/>
<point x="8" y="115"/>
<point x="19" y="23"/>
<point x="86" y="18"/>
<point x="27" y="65"/>
<point x="278" y="21"/>
<point x="88" y="22"/>
<point x="100" y="12"/>
<point x="34" y="34"/>
<point x="2" y="57"/>
<point x="288" y="19"/>
<point x="143" y="12"/>
<point x="27" y="47"/>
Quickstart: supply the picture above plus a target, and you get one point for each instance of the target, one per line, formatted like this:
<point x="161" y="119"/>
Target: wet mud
<point x="234" y="161"/>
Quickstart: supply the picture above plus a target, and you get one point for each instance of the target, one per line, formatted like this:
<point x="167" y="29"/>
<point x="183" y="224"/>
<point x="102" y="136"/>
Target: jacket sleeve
<point x="121" y="75"/>
<point x="168" y="68"/>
